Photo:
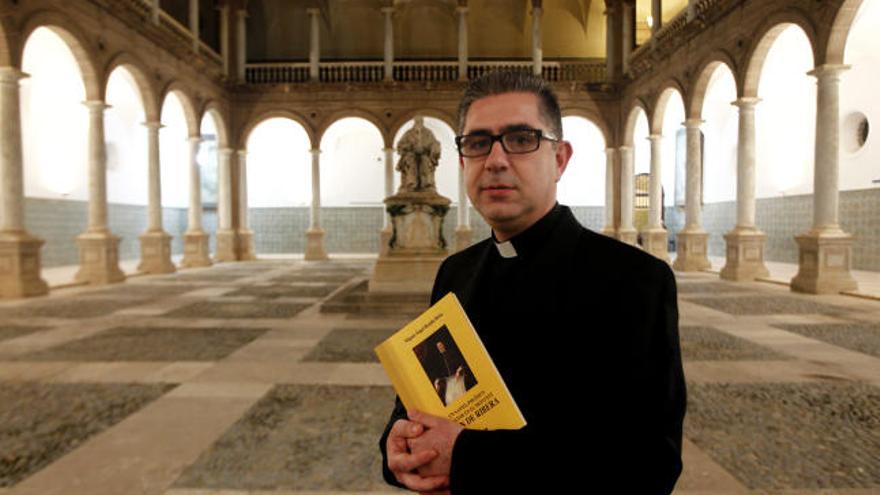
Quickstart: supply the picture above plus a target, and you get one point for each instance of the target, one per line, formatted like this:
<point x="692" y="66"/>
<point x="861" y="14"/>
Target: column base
<point x="628" y="236"/>
<point x="409" y="274"/>
<point x="824" y="260"/>
<point x="385" y="240"/>
<point x="692" y="253"/>
<point x="196" y="250"/>
<point x="20" y="265"/>
<point x="156" y="253"/>
<point x="464" y="237"/>
<point x="246" y="245"/>
<point x="315" y="245"/>
<point x="227" y="245"/>
<point x="745" y="255"/>
<point x="656" y="242"/>
<point x="99" y="258"/>
<point x="610" y="232"/>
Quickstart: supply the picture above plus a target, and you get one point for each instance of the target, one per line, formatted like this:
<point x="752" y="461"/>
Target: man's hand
<point x="439" y="436"/>
<point x="403" y="463"/>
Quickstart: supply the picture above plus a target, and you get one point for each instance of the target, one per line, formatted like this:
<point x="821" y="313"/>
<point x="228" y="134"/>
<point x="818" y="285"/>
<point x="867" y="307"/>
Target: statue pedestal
<point x="824" y="263"/>
<point x="98" y="258"/>
<point x="416" y="246"/>
<point x="196" y="250"/>
<point x="20" y="265"/>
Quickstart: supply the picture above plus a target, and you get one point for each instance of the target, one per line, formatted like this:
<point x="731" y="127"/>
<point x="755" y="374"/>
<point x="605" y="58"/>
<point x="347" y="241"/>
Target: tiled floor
<point x="229" y="380"/>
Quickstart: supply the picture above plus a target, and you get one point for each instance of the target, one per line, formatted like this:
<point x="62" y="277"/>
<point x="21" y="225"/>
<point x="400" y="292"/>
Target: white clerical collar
<point x="506" y="249"/>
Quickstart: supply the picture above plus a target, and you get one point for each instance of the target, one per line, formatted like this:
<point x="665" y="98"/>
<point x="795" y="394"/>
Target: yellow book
<point x="438" y="365"/>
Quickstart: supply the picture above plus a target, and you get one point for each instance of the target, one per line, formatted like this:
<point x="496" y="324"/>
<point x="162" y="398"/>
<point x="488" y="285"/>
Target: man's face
<point x="441" y="346"/>
<point x="512" y="191"/>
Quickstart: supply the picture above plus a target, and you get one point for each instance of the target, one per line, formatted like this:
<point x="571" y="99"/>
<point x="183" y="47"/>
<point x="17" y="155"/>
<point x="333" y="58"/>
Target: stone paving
<point x="232" y="380"/>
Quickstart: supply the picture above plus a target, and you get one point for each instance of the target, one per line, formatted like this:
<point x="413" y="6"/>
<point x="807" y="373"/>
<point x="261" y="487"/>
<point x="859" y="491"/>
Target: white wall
<point x="352" y="164"/>
<point x="174" y="154"/>
<point x="54" y="120"/>
<point x="673" y="119"/>
<point x="720" y="131"/>
<point x="446" y="176"/>
<point x="583" y="183"/>
<point x="208" y="159"/>
<point x="126" y="139"/>
<point x="858" y="97"/>
<point x="279" y="165"/>
<point x="641" y="145"/>
<point x="785" y="119"/>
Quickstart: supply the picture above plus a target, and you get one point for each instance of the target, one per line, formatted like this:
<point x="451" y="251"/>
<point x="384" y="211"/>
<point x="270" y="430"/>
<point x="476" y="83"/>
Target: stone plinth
<point x="384" y="239"/>
<point x="196" y="250"/>
<point x="99" y="258"/>
<point x="824" y="262"/>
<point x="610" y="232"/>
<point x="156" y="253"/>
<point x="745" y="255"/>
<point x="416" y="247"/>
<point x="692" y="253"/>
<point x="315" y="245"/>
<point x="656" y="242"/>
<point x="628" y="236"/>
<point x="464" y="237"/>
<point x="227" y="245"/>
<point x="20" y="265"/>
<point x="246" y="245"/>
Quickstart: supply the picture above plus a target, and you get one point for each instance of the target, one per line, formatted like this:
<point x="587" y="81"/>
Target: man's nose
<point x="497" y="157"/>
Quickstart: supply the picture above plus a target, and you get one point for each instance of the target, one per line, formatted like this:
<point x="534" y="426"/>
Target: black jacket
<point x="584" y="331"/>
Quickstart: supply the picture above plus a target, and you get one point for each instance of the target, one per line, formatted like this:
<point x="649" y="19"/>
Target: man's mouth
<point x="497" y="187"/>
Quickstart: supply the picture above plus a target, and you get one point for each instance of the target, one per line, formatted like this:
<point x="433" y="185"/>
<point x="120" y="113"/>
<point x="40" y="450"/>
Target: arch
<point x="271" y="114"/>
<point x="766" y="36"/>
<point x="77" y="42"/>
<point x="694" y="105"/>
<point x="593" y="117"/>
<point x="213" y="109"/>
<point x="840" y="29"/>
<point x="189" y="109"/>
<point x="145" y="88"/>
<point x="632" y="117"/>
<point x="425" y="112"/>
<point x="666" y="92"/>
<point x="354" y="112"/>
<point x="6" y="54"/>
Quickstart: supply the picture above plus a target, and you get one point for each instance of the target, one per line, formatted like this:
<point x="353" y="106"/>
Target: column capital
<point x="153" y="125"/>
<point x="313" y="11"/>
<point x="225" y="152"/>
<point x="242" y="13"/>
<point x="387" y="10"/>
<point x="625" y="148"/>
<point x="315" y="151"/>
<point x="195" y="139"/>
<point x="610" y="151"/>
<point x="655" y="137"/>
<point x="693" y="123"/>
<point x="96" y="105"/>
<point x="462" y="9"/>
<point x="746" y="102"/>
<point x="241" y="153"/>
<point x="828" y="70"/>
<point x="10" y="75"/>
<point x="386" y="150"/>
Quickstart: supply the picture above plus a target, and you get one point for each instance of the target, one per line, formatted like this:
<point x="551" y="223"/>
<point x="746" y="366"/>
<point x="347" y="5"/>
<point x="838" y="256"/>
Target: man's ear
<point x="460" y="161"/>
<point x="563" y="155"/>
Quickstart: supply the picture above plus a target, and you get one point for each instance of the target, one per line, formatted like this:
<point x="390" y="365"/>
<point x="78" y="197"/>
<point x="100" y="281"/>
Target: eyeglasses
<point x="514" y="142"/>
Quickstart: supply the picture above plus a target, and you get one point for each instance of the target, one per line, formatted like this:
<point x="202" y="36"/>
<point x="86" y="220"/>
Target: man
<point x="583" y="328"/>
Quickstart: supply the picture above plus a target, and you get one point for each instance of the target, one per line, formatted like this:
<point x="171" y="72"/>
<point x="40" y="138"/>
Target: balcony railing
<point x="144" y="9"/>
<point x="589" y="71"/>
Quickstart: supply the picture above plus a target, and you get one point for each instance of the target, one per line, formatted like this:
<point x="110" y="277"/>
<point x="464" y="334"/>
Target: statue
<point x="419" y="155"/>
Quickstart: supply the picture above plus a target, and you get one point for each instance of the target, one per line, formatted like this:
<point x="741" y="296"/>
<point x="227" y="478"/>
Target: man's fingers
<point x="405" y="429"/>
<point x="409" y="462"/>
<point x="423" y="418"/>
<point x="420" y="484"/>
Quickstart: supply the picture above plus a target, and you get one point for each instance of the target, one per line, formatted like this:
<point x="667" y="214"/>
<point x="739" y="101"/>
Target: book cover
<point x="438" y="365"/>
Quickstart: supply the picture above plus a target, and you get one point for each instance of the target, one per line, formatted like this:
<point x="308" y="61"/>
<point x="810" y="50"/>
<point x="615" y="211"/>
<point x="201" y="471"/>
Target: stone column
<point x="745" y="243"/>
<point x="155" y="242"/>
<point x="825" y="251"/>
<point x="196" y="251"/>
<point x="656" y="16"/>
<point x="314" y="44"/>
<point x="194" y="23"/>
<point x="245" y="234"/>
<point x="224" y="37"/>
<point x="388" y="12"/>
<point x="227" y="240"/>
<point x="627" y="232"/>
<point x="385" y="233"/>
<point x="154" y="11"/>
<point x="19" y="250"/>
<point x="462" y="43"/>
<point x="611" y="44"/>
<point x="692" y="240"/>
<point x="98" y="247"/>
<point x="464" y="234"/>
<point x="610" y="229"/>
<point x="655" y="239"/>
<point x="241" y="45"/>
<point x="628" y="25"/>
<point x="315" y="235"/>
<point x="691" y="9"/>
<point x="537" y="50"/>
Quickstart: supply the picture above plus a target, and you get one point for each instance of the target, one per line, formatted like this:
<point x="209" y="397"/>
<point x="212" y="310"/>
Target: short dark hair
<point x="513" y="81"/>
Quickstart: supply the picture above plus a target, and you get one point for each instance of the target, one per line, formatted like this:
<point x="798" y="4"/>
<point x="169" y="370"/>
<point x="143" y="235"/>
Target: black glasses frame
<point x="538" y="133"/>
